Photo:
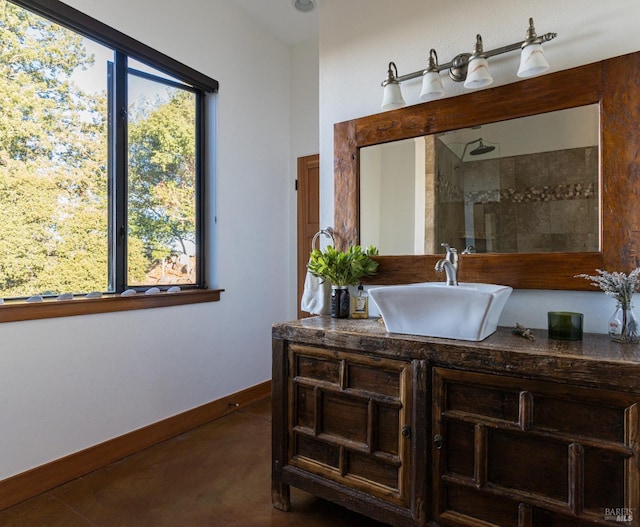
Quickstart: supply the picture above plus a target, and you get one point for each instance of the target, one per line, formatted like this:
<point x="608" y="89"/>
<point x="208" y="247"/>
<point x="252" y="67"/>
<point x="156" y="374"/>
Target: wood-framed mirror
<point x="613" y="84"/>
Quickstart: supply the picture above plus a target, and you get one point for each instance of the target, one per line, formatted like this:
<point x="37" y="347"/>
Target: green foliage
<point x="162" y="177"/>
<point x="343" y="268"/>
<point x="52" y="162"/>
<point x="53" y="167"/>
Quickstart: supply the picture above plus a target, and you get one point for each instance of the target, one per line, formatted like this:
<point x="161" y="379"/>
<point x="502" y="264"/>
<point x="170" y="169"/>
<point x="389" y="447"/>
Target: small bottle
<point x="360" y="304"/>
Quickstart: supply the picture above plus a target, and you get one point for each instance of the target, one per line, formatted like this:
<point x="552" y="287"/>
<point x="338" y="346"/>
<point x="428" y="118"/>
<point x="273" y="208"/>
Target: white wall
<point x="69" y="383"/>
<point x="304" y="135"/>
<point x="395" y="226"/>
<point x="371" y="193"/>
<point x="358" y="38"/>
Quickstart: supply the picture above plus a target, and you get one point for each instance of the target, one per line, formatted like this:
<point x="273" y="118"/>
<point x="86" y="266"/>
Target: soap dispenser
<point x="360" y="304"/>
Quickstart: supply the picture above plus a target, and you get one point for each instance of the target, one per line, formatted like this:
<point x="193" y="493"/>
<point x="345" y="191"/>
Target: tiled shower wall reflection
<point x="544" y="202"/>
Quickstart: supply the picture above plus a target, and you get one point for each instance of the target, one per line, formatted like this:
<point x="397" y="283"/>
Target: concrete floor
<point x="217" y="475"/>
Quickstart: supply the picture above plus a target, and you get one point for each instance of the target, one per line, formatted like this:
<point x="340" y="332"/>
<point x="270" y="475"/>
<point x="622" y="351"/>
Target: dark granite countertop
<point x="593" y="361"/>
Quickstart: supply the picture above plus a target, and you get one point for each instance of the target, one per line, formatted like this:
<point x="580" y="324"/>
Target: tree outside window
<point x="59" y="187"/>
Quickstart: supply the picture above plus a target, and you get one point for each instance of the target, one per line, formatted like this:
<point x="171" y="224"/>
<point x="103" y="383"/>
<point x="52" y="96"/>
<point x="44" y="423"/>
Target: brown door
<point x="308" y="214"/>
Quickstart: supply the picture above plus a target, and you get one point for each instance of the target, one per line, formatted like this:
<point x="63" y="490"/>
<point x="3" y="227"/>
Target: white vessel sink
<point x="433" y="309"/>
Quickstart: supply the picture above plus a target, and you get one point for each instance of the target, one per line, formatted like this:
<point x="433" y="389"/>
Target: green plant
<point x="343" y="268"/>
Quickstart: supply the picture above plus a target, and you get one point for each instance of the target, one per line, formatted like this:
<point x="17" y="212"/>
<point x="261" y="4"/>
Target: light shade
<point x="431" y="86"/>
<point x="478" y="75"/>
<point x="392" y="96"/>
<point x="532" y="61"/>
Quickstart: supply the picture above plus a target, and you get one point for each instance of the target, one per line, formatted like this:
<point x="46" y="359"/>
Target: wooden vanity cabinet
<point x="349" y="434"/>
<point x="414" y="431"/>
<point x="512" y="452"/>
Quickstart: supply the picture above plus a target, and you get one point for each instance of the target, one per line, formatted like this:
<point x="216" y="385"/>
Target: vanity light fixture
<point x="431" y="82"/>
<point x="478" y="75"/>
<point x="470" y="68"/>
<point x="392" y="95"/>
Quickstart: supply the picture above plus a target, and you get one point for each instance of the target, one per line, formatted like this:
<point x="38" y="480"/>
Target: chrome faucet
<point x="449" y="264"/>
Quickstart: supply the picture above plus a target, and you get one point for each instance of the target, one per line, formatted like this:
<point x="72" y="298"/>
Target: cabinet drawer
<point x="541" y="449"/>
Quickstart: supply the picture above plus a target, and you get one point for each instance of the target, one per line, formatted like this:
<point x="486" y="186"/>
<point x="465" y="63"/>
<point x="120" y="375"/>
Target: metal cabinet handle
<point x="438" y="441"/>
<point x="406" y="431"/>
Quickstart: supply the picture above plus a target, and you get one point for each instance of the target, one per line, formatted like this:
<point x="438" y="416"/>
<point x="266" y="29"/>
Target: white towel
<point x="316" y="297"/>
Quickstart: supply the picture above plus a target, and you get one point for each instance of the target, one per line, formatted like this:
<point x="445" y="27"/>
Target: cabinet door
<point x="350" y="420"/>
<point x="513" y="452"/>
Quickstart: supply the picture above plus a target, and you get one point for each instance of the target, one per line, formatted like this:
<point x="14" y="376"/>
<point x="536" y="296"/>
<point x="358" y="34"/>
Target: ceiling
<point x="280" y="18"/>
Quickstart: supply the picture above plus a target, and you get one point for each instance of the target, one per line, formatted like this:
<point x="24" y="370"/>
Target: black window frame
<point x="126" y="47"/>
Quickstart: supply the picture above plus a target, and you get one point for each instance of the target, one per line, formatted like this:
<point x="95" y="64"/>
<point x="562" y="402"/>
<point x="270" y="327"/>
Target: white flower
<point x="618" y="285"/>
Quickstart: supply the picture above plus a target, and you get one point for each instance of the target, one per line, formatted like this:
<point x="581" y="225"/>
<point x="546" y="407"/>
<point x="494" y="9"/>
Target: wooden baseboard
<point x="23" y="486"/>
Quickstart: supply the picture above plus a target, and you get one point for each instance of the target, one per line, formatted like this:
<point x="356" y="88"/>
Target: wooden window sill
<point x="14" y="310"/>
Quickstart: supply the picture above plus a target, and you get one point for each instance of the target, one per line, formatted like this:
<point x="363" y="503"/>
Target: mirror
<point x="611" y="85"/>
<point x="517" y="186"/>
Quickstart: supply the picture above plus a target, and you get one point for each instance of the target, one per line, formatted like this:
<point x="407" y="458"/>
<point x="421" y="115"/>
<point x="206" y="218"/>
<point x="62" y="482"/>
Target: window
<point x="101" y="158"/>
